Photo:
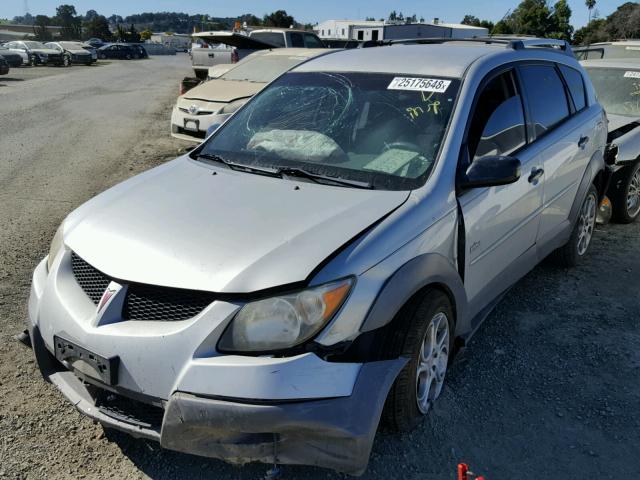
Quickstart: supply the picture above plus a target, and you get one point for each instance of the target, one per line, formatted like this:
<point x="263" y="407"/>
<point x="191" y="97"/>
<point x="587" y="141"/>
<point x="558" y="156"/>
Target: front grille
<point x="146" y="302"/>
<point x="129" y="410"/>
<point x="90" y="279"/>
<point x="142" y="302"/>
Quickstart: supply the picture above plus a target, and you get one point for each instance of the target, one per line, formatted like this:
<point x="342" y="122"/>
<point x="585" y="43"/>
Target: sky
<point x="304" y="11"/>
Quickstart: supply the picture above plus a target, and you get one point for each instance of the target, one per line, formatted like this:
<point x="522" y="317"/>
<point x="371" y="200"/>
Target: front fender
<point x="595" y="167"/>
<point x="419" y="272"/>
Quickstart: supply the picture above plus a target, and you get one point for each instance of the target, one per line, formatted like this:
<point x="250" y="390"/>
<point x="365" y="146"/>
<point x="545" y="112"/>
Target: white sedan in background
<point x="208" y="105"/>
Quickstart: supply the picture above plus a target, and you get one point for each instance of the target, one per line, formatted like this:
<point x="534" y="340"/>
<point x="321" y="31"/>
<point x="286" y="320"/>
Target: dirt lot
<point x="549" y="387"/>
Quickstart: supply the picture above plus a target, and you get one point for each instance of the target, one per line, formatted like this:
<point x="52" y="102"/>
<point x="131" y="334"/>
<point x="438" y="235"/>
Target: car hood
<point x="78" y="51"/>
<point x="223" y="90"/>
<point x="617" y="121"/>
<point x="181" y="226"/>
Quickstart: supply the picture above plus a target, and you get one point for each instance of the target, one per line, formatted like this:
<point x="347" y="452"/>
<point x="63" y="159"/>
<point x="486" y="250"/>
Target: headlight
<point x="286" y="321"/>
<point x="56" y="246"/>
<point x="233" y="106"/>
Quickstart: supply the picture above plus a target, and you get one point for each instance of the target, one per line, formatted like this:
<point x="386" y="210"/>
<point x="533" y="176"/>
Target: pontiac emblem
<point x="108" y="294"/>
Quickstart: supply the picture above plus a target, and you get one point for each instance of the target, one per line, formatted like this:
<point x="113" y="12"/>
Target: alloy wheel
<point x="432" y="362"/>
<point x="586" y="223"/>
<point x="633" y="195"/>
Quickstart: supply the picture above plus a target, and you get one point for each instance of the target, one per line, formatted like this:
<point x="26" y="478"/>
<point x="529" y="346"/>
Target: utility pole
<point x="26" y="7"/>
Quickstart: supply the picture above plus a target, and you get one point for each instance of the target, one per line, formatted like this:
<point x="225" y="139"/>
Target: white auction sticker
<point x="632" y="74"/>
<point x="419" y="84"/>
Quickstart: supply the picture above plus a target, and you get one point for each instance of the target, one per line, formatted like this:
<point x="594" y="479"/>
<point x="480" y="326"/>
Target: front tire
<point x="626" y="198"/>
<point x="66" y="61"/>
<point x="33" y="60"/>
<point x="572" y="253"/>
<point x="424" y="334"/>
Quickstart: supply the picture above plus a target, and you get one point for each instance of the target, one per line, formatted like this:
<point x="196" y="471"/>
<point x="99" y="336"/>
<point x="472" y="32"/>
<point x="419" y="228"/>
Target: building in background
<point x="435" y="29"/>
<point x="342" y="29"/>
<point x="373" y="30"/>
<point x="181" y="42"/>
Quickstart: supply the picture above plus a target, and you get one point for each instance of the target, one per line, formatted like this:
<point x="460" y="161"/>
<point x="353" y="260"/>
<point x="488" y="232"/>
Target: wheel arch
<point x="412" y="280"/>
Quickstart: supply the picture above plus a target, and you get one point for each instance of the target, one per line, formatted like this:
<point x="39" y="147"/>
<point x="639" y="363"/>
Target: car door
<point x="563" y="137"/>
<point x="500" y="223"/>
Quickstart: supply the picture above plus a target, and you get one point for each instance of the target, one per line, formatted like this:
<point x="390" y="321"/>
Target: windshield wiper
<point x="238" y="166"/>
<point x="299" y="172"/>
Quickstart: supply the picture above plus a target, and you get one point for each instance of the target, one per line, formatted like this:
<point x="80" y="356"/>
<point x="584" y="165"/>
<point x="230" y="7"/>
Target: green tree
<point x="624" y="22"/>
<point x="531" y="17"/>
<point x="476" y="22"/>
<point x="133" y="35"/>
<point x="279" y="18"/>
<point x="97" y="27"/>
<point x="146" y="35"/>
<point x="70" y="22"/>
<point x="250" y="19"/>
<point x="560" y="21"/>
<point x="120" y="34"/>
<point x="41" y="22"/>
<point x="503" y="27"/>
<point x="590" y="6"/>
<point x="595" y="31"/>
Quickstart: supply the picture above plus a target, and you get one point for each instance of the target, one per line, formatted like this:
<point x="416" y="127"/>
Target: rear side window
<point x="547" y="98"/>
<point x="576" y="86"/>
<point x="296" y="40"/>
<point x="312" y="41"/>
<point x="497" y="126"/>
<point x="273" y="38"/>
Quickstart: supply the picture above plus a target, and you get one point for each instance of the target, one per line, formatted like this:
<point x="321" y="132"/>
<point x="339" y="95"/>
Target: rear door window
<point x="296" y="40"/>
<point x="576" y="86"/>
<point x="548" y="101"/>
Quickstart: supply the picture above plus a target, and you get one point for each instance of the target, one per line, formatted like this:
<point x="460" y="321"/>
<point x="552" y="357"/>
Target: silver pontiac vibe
<point x="328" y="249"/>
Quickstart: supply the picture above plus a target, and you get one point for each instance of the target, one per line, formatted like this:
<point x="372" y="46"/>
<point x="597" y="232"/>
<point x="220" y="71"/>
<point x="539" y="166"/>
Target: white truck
<point x="230" y="47"/>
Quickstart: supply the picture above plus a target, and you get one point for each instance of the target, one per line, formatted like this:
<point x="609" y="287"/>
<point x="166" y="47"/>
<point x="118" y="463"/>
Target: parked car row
<point x="337" y="240"/>
<point x="66" y="53"/>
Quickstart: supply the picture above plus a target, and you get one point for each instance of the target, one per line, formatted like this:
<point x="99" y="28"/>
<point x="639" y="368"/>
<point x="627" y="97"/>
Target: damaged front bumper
<point x="335" y="433"/>
<point x="261" y="410"/>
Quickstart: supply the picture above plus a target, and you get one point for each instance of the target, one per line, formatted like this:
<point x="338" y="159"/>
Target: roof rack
<point x="515" y="43"/>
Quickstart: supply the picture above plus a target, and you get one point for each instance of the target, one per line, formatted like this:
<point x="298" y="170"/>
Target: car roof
<point x="630" y="42"/>
<point x="630" y="62"/>
<point x="292" y="52"/>
<point x="448" y="60"/>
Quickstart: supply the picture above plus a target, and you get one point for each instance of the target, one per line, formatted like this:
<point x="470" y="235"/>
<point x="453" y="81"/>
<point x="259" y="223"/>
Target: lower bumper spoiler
<point x="335" y="433"/>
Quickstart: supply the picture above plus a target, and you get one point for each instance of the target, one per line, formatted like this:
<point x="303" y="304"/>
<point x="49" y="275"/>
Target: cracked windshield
<point x="381" y="129"/>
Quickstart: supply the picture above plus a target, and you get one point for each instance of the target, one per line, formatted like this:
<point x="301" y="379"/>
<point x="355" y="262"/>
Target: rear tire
<point x="626" y="198"/>
<point x="424" y="333"/>
<point x="572" y="253"/>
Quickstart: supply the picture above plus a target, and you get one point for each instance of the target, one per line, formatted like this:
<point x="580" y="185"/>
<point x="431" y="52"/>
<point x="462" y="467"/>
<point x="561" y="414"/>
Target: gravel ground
<point x="548" y="388"/>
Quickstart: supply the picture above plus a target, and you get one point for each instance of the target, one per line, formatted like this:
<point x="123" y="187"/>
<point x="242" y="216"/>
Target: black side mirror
<point x="491" y="171"/>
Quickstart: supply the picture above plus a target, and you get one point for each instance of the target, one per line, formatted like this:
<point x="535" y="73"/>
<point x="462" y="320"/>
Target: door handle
<point x="583" y="141"/>
<point x="212" y="55"/>
<point x="536" y="173"/>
